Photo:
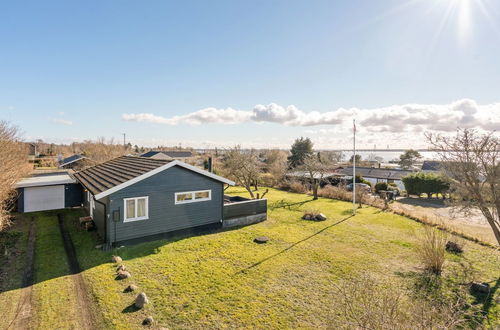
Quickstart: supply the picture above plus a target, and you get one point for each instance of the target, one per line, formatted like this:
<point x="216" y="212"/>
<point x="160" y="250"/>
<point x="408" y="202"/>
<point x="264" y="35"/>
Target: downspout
<point x="105" y="218"/>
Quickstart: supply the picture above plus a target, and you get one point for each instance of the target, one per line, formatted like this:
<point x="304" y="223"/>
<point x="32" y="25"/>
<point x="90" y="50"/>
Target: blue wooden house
<point x="135" y="197"/>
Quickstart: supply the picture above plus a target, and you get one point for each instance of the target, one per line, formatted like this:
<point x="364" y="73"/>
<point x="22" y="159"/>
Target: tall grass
<point x="367" y="303"/>
<point x="432" y="249"/>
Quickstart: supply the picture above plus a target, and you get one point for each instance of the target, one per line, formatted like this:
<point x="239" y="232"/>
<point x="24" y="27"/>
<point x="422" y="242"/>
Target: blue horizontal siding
<point x="164" y="214"/>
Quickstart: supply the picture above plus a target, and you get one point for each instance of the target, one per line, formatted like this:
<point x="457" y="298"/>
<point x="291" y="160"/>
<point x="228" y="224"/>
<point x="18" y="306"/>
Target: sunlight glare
<point x="464" y="20"/>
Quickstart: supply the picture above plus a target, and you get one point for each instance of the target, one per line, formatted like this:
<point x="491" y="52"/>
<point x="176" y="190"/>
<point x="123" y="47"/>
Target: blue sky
<point x="74" y="70"/>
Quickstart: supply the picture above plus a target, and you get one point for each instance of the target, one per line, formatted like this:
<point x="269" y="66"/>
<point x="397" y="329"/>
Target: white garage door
<point x="43" y="198"/>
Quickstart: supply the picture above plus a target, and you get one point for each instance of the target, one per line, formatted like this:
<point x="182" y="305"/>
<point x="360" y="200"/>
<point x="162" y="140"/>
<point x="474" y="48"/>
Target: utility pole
<point x="354" y="168"/>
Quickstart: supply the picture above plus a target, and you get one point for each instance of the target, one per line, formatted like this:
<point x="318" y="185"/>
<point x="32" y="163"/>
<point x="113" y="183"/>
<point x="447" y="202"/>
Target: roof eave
<point x="158" y="170"/>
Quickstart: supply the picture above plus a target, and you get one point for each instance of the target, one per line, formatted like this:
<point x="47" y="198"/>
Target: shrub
<point x="428" y="183"/>
<point x="380" y="186"/>
<point x="431" y="249"/>
<point x="342" y="194"/>
<point x="360" y="179"/>
<point x="298" y="187"/>
<point x="267" y="180"/>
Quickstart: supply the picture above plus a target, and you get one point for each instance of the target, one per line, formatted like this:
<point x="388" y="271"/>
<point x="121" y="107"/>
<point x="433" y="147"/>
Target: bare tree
<point x="471" y="161"/>
<point x="277" y="164"/>
<point x="101" y="150"/>
<point x="242" y="167"/>
<point x="13" y="166"/>
<point x="315" y="170"/>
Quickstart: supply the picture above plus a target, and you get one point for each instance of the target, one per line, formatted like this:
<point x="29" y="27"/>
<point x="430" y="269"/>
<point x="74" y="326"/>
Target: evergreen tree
<point x="409" y="158"/>
<point x="301" y="149"/>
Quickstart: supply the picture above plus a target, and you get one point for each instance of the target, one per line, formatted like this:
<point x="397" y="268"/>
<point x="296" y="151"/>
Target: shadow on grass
<point x="424" y="202"/>
<point x="486" y="299"/>
<point x="291" y="246"/>
<point x="130" y="309"/>
<point x="282" y="204"/>
<point x="440" y="288"/>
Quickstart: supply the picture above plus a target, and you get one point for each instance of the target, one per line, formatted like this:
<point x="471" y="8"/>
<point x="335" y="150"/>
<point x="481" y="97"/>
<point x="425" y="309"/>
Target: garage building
<point x="48" y="191"/>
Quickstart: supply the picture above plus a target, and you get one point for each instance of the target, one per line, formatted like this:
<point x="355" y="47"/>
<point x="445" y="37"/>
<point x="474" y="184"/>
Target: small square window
<point x="135" y="209"/>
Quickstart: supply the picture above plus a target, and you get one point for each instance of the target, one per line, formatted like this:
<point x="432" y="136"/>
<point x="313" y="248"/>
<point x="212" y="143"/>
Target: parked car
<point x="360" y="186"/>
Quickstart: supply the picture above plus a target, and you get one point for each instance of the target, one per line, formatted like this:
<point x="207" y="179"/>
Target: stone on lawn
<point x="141" y="300"/>
<point x="320" y="217"/>
<point x="116" y="259"/>
<point x="89" y="226"/>
<point x="123" y="275"/>
<point x="131" y="288"/>
<point x="121" y="268"/>
<point x="148" y="321"/>
<point x="261" y="239"/>
<point x="99" y="246"/>
<point x="453" y="247"/>
<point x="480" y="287"/>
<point x="306" y="216"/>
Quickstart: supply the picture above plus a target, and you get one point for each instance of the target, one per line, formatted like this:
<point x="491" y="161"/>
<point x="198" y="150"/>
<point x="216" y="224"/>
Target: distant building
<point x="168" y="155"/>
<point x="375" y="175"/>
<point x="431" y="166"/>
<point x="71" y="162"/>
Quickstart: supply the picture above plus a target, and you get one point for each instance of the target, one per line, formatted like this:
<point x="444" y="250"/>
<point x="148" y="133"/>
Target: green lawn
<point x="54" y="302"/>
<point x="12" y="267"/>
<point x="224" y="279"/>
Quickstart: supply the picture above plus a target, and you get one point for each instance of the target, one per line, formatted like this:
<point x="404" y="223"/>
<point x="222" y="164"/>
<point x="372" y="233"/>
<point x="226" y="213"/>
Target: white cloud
<point x="395" y="119"/>
<point x="62" y="121"/>
<point x="204" y="116"/>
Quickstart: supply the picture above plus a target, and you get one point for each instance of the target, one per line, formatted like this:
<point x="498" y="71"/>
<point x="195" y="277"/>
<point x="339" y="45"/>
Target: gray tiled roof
<point x="379" y="173"/>
<point x="109" y="174"/>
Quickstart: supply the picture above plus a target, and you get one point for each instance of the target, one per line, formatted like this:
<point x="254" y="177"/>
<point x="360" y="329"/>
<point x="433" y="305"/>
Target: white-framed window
<point x="135" y="208"/>
<point x="193" y="196"/>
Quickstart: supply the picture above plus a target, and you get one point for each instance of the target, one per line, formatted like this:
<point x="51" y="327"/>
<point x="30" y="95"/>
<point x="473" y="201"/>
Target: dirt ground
<point x="24" y="311"/>
<point x="472" y="223"/>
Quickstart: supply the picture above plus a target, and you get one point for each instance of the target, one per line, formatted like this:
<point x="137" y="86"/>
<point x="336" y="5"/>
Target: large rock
<point x="131" y="288"/>
<point x="306" y="216"/>
<point x="261" y="239"/>
<point x="480" y="287"/>
<point x="141" y="300"/>
<point x="116" y="259"/>
<point x="454" y="247"/>
<point x="121" y="268"/>
<point x="148" y="321"/>
<point x="321" y="217"/>
<point x="123" y="275"/>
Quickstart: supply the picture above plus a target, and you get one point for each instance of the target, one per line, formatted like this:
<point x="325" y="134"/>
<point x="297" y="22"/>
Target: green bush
<point x="428" y="183"/>
<point x="360" y="179"/>
<point x="380" y="186"/>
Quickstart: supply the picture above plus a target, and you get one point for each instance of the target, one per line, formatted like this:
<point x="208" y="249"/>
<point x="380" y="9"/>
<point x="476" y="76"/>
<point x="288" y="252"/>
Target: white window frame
<point x="90" y="197"/>
<point x="193" y="194"/>
<point x="135" y="218"/>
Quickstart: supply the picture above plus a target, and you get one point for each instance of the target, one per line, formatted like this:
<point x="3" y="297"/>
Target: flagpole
<point x="354" y="168"/>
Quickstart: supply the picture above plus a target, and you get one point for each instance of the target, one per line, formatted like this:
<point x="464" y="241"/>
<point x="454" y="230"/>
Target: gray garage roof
<point x="108" y="177"/>
<point x="45" y="180"/>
